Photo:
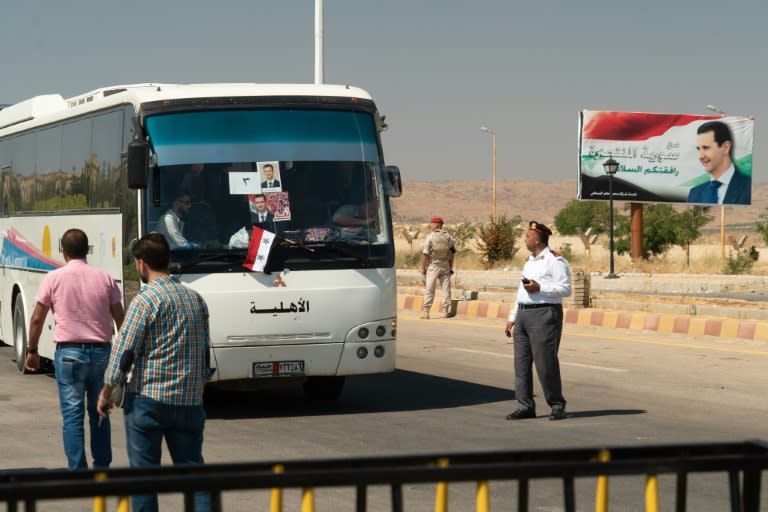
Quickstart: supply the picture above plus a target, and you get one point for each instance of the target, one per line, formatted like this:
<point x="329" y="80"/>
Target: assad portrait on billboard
<point x="727" y="184"/>
<point x="674" y="158"/>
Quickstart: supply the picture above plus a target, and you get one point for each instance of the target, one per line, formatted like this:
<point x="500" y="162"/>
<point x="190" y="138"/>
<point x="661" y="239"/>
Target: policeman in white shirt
<point x="536" y="324"/>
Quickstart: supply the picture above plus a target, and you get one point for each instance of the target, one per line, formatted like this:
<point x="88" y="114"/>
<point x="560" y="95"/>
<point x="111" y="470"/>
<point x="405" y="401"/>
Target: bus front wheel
<point x="20" y="336"/>
<point x="323" y="388"/>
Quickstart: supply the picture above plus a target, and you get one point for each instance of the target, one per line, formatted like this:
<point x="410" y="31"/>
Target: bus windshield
<point x="313" y="177"/>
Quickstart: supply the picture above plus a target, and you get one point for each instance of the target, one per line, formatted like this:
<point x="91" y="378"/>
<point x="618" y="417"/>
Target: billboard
<point x="672" y="158"/>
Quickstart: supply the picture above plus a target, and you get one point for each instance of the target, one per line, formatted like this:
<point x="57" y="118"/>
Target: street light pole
<point x="319" y="43"/>
<point x="715" y="109"/>
<point x="611" y="166"/>
<point x="493" y="171"/>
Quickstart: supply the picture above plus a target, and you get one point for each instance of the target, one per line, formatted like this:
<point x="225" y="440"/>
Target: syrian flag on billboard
<point x="259" y="249"/>
<point x="658" y="156"/>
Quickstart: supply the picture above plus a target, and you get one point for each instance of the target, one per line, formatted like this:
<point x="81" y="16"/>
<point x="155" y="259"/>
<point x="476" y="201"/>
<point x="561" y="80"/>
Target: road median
<point x="707" y="305"/>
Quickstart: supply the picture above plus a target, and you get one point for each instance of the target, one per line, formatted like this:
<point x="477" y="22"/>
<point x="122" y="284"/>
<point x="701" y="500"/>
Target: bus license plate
<point x="278" y="369"/>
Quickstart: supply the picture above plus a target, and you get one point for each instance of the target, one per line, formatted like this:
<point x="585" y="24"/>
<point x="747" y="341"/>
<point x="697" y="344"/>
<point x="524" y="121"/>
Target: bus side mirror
<point x="138" y="164"/>
<point x="393" y="186"/>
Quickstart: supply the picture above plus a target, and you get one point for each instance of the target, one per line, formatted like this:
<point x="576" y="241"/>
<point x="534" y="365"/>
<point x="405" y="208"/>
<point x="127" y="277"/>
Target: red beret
<point x="541" y="228"/>
<point x="437" y="220"/>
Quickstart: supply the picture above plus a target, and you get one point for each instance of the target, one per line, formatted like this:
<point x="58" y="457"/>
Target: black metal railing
<point x="743" y="463"/>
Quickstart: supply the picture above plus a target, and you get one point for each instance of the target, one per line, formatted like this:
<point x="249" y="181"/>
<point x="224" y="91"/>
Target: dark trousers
<point x="537" y="335"/>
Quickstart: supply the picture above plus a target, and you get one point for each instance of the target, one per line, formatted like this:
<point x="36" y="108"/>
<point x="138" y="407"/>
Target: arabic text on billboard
<point x="666" y="157"/>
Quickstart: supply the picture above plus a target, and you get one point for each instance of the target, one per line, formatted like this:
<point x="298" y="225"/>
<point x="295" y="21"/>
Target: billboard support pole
<point x="636" y="228"/>
<point x="713" y="108"/>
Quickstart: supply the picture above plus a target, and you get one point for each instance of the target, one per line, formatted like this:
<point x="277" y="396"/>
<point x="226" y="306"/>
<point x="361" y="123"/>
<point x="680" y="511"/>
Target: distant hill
<point x="458" y="201"/>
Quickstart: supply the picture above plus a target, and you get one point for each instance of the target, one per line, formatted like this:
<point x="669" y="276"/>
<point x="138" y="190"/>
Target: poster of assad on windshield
<point x="671" y="158"/>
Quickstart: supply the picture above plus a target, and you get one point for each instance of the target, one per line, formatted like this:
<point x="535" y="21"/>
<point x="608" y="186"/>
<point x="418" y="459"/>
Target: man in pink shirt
<point x="85" y="300"/>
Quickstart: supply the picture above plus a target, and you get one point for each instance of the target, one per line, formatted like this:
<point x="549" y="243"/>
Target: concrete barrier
<point x="637" y="320"/>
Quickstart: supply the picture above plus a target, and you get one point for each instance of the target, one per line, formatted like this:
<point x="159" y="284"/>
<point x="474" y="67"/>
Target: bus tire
<point x="20" y="336"/>
<point x="323" y="388"/>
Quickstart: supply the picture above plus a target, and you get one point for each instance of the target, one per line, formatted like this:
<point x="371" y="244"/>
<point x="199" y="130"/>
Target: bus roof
<point x="48" y="108"/>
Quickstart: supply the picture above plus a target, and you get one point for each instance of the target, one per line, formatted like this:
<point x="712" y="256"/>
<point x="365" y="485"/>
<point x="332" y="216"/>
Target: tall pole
<point x="493" y="171"/>
<point x="611" y="273"/>
<point x="319" y="37"/>
<point x="493" y="192"/>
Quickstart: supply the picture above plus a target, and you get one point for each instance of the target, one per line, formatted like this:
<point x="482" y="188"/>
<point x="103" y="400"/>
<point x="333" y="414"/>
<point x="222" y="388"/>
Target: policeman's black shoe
<point x="558" y="413"/>
<point x="522" y="414"/>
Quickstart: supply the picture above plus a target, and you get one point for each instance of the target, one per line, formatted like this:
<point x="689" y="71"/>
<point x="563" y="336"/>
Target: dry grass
<point x="705" y="257"/>
<point x="458" y="201"/>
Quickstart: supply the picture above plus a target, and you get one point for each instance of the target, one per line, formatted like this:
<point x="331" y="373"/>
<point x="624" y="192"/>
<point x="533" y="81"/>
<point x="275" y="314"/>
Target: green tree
<point x="659" y="232"/>
<point x="762" y="225"/>
<point x="69" y="202"/>
<point x="663" y="227"/>
<point x="498" y="239"/>
<point x="462" y="234"/>
<point x="582" y="215"/>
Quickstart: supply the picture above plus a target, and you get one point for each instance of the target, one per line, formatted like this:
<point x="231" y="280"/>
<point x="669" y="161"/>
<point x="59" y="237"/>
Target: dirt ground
<point x="704" y="258"/>
<point x="706" y="255"/>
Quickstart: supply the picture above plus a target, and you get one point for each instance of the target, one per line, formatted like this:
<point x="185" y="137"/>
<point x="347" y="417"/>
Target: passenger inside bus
<point x="323" y="201"/>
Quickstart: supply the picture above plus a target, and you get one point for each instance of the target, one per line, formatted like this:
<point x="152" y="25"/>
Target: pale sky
<point x="438" y="69"/>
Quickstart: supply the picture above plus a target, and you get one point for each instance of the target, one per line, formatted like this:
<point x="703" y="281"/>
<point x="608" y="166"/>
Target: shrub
<point x="741" y="261"/>
<point x="462" y="234"/>
<point x="407" y="259"/>
<point x="762" y="225"/>
<point x="566" y="251"/>
<point x="498" y="239"/>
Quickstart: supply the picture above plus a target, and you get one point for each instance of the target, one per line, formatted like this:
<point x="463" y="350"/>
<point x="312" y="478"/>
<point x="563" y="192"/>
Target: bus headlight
<point x="362" y="352"/>
<point x="375" y="331"/>
<point x="379" y="351"/>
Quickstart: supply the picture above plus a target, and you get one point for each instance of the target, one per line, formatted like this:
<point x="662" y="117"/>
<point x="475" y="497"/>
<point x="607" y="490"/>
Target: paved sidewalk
<point x="641" y="320"/>
<point x="750" y="322"/>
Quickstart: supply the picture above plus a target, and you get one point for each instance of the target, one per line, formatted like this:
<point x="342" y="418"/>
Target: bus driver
<point x="171" y="223"/>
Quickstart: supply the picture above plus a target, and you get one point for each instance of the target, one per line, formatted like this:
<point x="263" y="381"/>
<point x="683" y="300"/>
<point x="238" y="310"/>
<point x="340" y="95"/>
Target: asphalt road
<point x="451" y="391"/>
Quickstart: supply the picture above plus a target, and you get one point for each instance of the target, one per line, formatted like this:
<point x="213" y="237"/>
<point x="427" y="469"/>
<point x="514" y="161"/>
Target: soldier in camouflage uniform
<point x="437" y="265"/>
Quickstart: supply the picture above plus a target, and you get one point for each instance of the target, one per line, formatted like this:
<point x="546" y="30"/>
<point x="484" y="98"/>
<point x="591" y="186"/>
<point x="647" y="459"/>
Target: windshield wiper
<point x="343" y="250"/>
<point x="218" y="257"/>
<point x="284" y="242"/>
<point x="327" y="246"/>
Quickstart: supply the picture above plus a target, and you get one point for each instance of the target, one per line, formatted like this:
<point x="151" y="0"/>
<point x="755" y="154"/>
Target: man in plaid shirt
<point x="166" y="330"/>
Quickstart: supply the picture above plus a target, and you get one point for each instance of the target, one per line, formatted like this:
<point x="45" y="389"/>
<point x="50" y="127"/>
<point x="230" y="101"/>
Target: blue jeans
<point x="147" y="422"/>
<point x="80" y="377"/>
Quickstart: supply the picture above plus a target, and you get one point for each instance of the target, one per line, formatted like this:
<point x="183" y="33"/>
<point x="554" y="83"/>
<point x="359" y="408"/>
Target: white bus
<point x="114" y="160"/>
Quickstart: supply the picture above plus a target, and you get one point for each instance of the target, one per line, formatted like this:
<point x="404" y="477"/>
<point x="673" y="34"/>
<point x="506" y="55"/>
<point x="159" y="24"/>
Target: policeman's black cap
<point x="541" y="228"/>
